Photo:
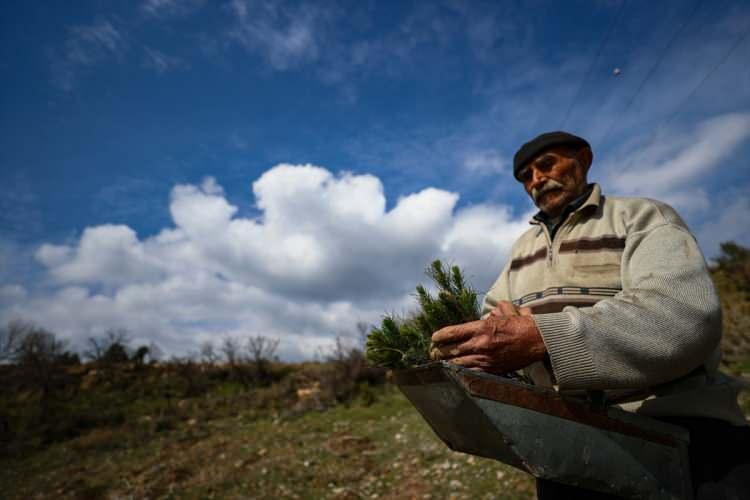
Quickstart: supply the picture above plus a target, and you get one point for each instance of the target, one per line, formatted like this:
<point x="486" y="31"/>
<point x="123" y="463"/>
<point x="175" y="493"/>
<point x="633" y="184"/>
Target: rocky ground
<point x="383" y="450"/>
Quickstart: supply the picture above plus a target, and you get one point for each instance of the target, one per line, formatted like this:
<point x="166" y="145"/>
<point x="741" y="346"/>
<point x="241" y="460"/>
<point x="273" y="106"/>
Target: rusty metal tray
<point x="550" y="436"/>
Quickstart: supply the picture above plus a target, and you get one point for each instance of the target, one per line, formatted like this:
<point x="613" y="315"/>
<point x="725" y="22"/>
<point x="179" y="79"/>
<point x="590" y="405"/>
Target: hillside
<point x="118" y="428"/>
<point x="380" y="450"/>
<point x="731" y="274"/>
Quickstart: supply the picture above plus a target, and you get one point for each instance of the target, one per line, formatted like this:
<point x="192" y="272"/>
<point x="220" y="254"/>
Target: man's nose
<point x="537" y="178"/>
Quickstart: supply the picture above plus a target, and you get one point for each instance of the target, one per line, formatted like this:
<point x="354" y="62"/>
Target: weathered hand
<point x="507" y="340"/>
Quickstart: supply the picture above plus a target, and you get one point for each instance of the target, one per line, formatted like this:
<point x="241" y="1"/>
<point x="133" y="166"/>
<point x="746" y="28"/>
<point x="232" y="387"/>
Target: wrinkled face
<point x="555" y="178"/>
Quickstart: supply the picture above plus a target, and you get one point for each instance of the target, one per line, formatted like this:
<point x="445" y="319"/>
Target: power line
<point x="724" y="59"/>
<point x="653" y="69"/>
<point x="615" y="21"/>
<point x="705" y="78"/>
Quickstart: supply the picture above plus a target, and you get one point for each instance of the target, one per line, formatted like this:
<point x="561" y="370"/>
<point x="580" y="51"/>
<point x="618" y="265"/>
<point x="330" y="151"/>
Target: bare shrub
<point x="189" y="372"/>
<point x="261" y="351"/>
<point x="345" y="365"/>
<point x="208" y="353"/>
<point x="139" y="356"/>
<point x="11" y="336"/>
<point x="155" y="352"/>
<point x="40" y="358"/>
<point x="231" y="348"/>
<point x="109" y="349"/>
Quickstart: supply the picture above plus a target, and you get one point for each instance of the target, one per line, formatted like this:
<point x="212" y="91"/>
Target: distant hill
<point x="731" y="274"/>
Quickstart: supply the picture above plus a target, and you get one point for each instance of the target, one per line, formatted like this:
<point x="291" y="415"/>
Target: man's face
<point x="554" y="178"/>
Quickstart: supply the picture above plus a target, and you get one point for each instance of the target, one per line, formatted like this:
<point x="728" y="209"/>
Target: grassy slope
<point x="384" y="450"/>
<point x="380" y="451"/>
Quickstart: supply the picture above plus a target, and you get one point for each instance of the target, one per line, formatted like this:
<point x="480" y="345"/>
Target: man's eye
<point x="545" y="162"/>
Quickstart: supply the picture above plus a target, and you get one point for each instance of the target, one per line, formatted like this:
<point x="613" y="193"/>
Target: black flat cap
<point x="538" y="144"/>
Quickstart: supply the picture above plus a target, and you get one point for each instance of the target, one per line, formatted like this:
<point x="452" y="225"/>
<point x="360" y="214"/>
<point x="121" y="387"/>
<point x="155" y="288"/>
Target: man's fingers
<point x="455" y="349"/>
<point x="525" y="311"/>
<point x="445" y="351"/>
<point x="435" y="354"/>
<point x="474" y="361"/>
<point x="456" y="333"/>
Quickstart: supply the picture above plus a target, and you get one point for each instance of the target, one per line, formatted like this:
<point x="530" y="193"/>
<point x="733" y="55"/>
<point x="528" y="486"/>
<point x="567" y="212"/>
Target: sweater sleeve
<point x="664" y="323"/>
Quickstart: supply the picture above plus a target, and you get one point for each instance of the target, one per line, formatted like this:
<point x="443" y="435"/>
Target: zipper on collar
<point x="548" y="238"/>
<point x="555" y="244"/>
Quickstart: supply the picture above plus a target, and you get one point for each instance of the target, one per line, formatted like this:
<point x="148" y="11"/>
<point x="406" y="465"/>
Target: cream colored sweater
<point x="624" y="303"/>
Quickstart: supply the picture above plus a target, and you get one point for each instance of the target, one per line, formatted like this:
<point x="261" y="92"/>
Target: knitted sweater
<point x="625" y="304"/>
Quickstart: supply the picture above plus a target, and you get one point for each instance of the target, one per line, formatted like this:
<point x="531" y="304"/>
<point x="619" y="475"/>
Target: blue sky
<point x="190" y="169"/>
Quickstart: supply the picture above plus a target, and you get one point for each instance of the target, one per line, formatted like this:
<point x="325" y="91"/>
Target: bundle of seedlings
<point x="405" y="342"/>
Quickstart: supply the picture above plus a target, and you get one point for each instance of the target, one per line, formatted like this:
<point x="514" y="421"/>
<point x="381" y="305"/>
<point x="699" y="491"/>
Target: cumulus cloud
<point x="107" y="255"/>
<point x="323" y="253"/>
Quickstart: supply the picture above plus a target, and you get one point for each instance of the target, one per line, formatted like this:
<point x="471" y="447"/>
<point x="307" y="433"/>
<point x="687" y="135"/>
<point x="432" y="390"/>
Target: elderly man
<point x="611" y="294"/>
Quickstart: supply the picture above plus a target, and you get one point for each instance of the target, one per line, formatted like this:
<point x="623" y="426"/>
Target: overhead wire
<point x="721" y="61"/>
<point x="724" y="59"/>
<point x="652" y="70"/>
<point x="615" y="21"/>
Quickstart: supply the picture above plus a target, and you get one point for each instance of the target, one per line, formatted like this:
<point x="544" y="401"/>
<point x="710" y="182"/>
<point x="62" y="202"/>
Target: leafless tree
<point x="231" y="348"/>
<point x="139" y="356"/>
<point x="11" y="336"/>
<point x="111" y="348"/>
<point x="40" y="357"/>
<point x="261" y="348"/>
<point x="208" y="353"/>
<point x="261" y="351"/>
<point x="348" y="368"/>
<point x="155" y="353"/>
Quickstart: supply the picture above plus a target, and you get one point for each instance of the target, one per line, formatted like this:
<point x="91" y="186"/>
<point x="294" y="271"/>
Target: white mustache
<point x="551" y="184"/>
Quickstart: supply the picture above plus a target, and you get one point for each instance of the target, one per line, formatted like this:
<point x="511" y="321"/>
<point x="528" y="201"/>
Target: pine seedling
<point x="403" y="343"/>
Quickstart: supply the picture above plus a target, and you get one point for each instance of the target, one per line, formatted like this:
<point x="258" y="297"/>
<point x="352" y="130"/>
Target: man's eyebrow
<point x="542" y="159"/>
<point x="544" y="156"/>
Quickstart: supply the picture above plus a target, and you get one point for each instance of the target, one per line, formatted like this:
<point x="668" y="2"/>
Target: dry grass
<point x="384" y="450"/>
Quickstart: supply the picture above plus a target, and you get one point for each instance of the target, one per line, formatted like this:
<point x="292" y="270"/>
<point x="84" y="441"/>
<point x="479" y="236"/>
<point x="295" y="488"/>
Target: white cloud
<point x="671" y="164"/>
<point x="484" y="162"/>
<point x="107" y="255"/>
<point x="478" y="228"/>
<point x="323" y="253"/>
<point x="674" y="160"/>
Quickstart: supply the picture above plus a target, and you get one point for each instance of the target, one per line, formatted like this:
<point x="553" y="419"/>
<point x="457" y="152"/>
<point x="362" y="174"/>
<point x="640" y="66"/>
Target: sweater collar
<point x="592" y="196"/>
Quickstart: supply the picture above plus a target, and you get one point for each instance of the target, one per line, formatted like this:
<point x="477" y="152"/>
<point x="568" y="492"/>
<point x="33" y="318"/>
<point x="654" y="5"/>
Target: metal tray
<point x="550" y="436"/>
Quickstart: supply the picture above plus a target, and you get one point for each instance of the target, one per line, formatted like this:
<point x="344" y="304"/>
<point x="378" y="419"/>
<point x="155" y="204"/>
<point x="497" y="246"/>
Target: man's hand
<point x="507" y="340"/>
